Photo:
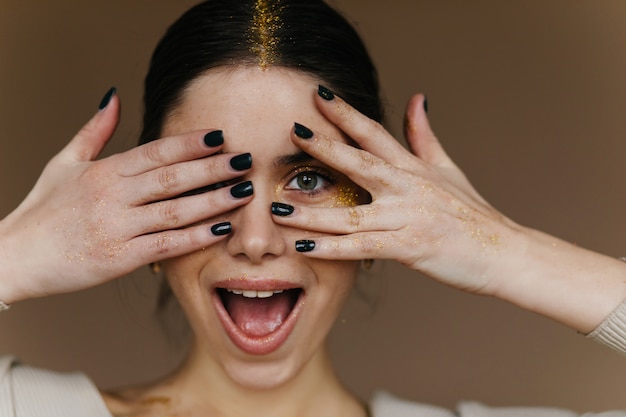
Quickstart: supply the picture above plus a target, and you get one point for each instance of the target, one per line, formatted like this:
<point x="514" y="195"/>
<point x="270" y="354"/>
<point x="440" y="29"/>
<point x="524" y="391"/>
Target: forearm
<point x="549" y="276"/>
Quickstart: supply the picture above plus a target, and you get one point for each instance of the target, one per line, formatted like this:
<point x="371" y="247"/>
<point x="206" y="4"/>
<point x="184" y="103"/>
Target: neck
<point x="202" y="385"/>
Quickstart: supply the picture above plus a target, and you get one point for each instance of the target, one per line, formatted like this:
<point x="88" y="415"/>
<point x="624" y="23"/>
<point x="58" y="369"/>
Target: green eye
<point x="308" y="181"/>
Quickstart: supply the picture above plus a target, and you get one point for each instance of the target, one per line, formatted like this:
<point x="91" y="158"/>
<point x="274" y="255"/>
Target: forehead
<point x="251" y="105"/>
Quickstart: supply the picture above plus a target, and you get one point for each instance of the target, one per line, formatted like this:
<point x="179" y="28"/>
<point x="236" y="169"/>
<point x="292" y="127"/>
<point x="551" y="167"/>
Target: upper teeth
<point x="255" y="293"/>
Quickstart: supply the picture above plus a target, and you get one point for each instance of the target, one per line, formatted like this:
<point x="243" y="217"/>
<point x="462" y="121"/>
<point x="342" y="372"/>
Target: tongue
<point x="259" y="316"/>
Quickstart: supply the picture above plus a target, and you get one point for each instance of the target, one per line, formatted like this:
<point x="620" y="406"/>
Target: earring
<point x="155" y="267"/>
<point x="367" y="264"/>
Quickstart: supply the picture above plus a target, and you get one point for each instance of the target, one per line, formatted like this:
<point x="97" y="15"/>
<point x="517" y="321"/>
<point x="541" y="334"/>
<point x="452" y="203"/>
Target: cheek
<point x="337" y="278"/>
<point x="344" y="194"/>
<point x="183" y="274"/>
<point x="349" y="195"/>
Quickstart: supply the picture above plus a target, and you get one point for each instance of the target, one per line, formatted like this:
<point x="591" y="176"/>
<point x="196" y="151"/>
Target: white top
<point x="31" y="392"/>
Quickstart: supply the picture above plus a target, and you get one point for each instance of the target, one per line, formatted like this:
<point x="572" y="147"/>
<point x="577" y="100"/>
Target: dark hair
<point x="305" y="35"/>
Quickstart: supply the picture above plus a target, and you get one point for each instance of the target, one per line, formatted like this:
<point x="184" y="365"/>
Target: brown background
<point x="528" y="97"/>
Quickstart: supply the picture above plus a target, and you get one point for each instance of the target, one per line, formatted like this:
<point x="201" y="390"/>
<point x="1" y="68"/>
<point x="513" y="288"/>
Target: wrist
<point x="9" y="275"/>
<point x="562" y="281"/>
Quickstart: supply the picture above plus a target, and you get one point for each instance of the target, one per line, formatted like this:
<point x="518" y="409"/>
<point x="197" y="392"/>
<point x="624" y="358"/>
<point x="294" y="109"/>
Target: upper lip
<point x="256" y="284"/>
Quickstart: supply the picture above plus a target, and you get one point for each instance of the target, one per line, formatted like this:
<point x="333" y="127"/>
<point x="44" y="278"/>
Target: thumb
<point x="92" y="137"/>
<point x="421" y="140"/>
<point x="425" y="145"/>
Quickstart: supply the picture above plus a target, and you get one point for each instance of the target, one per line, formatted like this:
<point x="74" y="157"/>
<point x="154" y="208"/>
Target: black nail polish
<point x="221" y="229"/>
<point x="241" y="162"/>
<point x="425" y="104"/>
<point x="213" y="139"/>
<point x="302" y="131"/>
<point x="325" y="93"/>
<point x="107" y="98"/>
<point x="241" y="190"/>
<point x="281" y="209"/>
<point x="305" y="245"/>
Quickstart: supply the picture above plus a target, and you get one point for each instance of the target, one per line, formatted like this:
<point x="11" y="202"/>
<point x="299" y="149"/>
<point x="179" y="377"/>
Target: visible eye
<point x="308" y="181"/>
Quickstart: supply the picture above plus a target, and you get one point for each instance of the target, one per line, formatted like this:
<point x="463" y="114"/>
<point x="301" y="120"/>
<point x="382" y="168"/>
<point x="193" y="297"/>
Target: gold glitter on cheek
<point x="265" y="23"/>
<point x="347" y="196"/>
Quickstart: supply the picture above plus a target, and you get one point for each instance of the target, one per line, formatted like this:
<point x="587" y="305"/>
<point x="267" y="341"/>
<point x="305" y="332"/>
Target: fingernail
<point x="281" y="209"/>
<point x="221" y="229"/>
<point x="241" y="162"/>
<point x="107" y="98"/>
<point x="325" y="93"/>
<point x="302" y="131"/>
<point x="305" y="245"/>
<point x="213" y="139"/>
<point x="425" y="104"/>
<point x="241" y="190"/>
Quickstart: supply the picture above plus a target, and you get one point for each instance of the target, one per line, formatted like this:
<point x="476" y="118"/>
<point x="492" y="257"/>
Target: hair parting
<point x="265" y="23"/>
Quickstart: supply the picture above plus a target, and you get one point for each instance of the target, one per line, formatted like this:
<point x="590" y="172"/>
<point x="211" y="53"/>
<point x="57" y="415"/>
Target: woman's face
<point x="258" y="308"/>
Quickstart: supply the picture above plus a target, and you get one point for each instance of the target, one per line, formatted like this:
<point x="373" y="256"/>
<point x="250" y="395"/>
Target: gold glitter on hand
<point x="488" y="241"/>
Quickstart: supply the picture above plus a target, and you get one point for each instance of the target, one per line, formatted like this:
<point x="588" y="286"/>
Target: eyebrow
<point x="293" y="159"/>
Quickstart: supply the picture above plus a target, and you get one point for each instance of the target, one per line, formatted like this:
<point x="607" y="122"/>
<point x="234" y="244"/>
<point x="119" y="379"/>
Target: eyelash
<point x="329" y="179"/>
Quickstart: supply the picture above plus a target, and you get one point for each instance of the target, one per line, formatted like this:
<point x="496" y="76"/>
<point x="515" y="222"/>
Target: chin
<point x="257" y="375"/>
<point x="261" y="332"/>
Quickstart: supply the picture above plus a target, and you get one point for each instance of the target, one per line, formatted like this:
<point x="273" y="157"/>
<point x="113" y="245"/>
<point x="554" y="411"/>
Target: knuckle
<point x="188" y="145"/>
<point x="370" y="246"/>
<point x="210" y="205"/>
<point x="211" y="166"/>
<point x="163" y="244"/>
<point x="355" y="219"/>
<point x="153" y="153"/>
<point x="168" y="213"/>
<point x="167" y="178"/>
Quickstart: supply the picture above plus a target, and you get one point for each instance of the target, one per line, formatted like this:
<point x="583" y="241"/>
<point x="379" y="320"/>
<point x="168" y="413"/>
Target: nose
<point x="255" y="236"/>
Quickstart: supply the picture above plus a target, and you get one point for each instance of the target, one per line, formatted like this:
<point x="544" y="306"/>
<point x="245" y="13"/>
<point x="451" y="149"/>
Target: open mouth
<point x="258" y="313"/>
<point x="258" y="321"/>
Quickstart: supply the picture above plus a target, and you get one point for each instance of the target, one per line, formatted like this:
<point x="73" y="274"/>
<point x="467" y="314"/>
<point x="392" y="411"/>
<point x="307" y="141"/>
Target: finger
<point x="367" y="133"/>
<point x="425" y="145"/>
<point x="160" y="246"/>
<point x="195" y="176"/>
<point x="368" y="245"/>
<point x="368" y="171"/>
<point x="339" y="220"/>
<point x="92" y="137"/>
<point x="420" y="137"/>
<point x="181" y="212"/>
<point x="167" y="151"/>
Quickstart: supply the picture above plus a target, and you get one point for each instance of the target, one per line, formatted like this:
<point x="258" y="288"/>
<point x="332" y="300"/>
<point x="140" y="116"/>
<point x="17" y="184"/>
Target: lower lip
<point x="262" y="345"/>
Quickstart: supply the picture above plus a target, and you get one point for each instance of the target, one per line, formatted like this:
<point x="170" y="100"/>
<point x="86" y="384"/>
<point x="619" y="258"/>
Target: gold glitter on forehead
<point x="265" y="23"/>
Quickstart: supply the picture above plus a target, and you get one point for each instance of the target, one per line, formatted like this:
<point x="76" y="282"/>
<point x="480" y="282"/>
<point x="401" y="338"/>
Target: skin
<point x="447" y="230"/>
<point x="256" y="109"/>
<point x="106" y="217"/>
<point x="103" y="226"/>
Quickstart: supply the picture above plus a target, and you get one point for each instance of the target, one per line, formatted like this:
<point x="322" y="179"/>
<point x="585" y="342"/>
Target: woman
<point x="259" y="202"/>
